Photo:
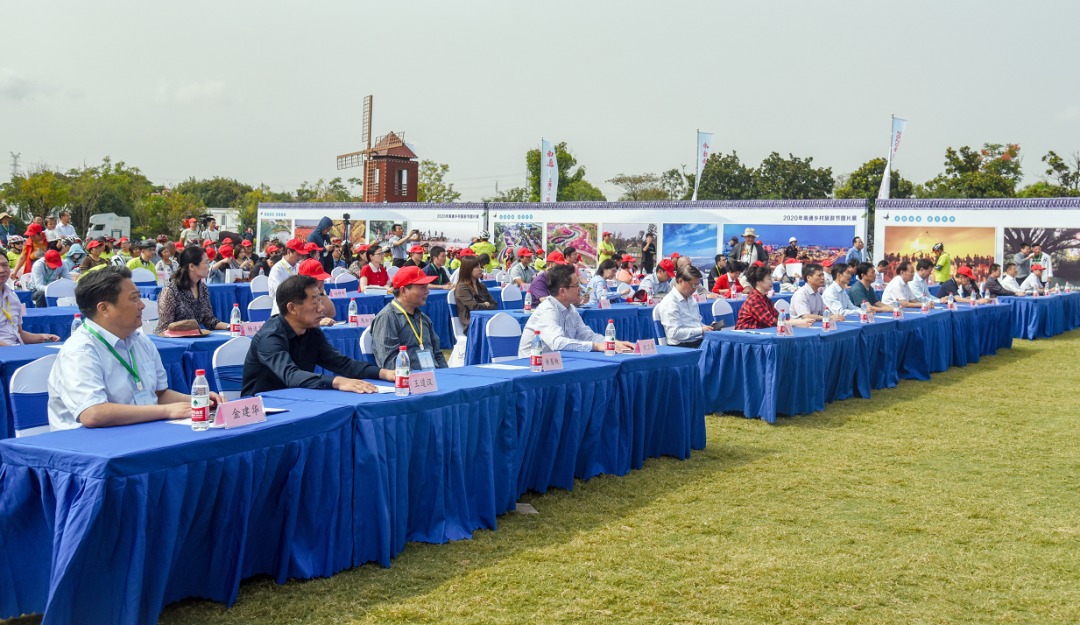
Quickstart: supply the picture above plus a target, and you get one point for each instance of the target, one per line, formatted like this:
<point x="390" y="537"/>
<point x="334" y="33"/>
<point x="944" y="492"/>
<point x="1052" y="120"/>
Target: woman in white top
<point x="598" y="287"/>
<point x="168" y="264"/>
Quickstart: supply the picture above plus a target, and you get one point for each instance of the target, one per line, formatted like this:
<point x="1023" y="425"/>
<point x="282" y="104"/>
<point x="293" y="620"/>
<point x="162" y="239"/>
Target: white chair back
<point x="149" y="317"/>
<point x="61" y="288"/>
<point x="365" y="342"/>
<point x="259" y="309"/>
<point x="782" y="305"/>
<point x="661" y="336"/>
<point x="503" y="325"/>
<point x="721" y="307"/>
<point x="454" y="276"/>
<point x="143" y="277"/>
<point x="29" y="408"/>
<point x="338" y="271"/>
<point x="511" y="293"/>
<point x="342" y="280"/>
<point x="455" y="322"/>
<point x="67" y="301"/>
<point x="391" y="271"/>
<point x="231" y="354"/>
<point x="260" y="285"/>
<point x="375" y="290"/>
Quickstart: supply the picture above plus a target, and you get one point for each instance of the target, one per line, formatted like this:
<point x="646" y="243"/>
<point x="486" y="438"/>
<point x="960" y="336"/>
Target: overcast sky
<point x="272" y="91"/>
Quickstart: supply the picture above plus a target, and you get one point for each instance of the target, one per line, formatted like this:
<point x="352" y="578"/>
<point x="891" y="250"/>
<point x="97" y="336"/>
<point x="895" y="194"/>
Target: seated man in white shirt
<point x="560" y="326"/>
<point x="680" y="314"/>
<point x="659" y="282"/>
<point x="919" y="285"/>
<point x="807" y="303"/>
<point x="685" y="261"/>
<point x="1008" y="280"/>
<point x="898" y="291"/>
<point x="836" y="296"/>
<point x="1033" y="282"/>
<point x="109" y="373"/>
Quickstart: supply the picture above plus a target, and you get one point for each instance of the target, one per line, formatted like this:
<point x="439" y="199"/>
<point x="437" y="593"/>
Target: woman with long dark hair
<point x="186" y="296"/>
<point x="471" y="294"/>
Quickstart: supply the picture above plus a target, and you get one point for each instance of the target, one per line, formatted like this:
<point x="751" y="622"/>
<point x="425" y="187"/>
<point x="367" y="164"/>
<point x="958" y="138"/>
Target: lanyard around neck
<point x="419" y="337"/>
<point x="133" y="368"/>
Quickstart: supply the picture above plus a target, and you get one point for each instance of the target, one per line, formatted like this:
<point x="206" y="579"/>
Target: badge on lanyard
<point x="427" y="361"/>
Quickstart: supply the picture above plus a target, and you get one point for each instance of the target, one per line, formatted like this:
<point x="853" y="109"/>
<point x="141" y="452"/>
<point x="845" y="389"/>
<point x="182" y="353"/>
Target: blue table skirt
<point x="841" y="351"/>
<point x="26" y="297"/>
<point x="938" y="338"/>
<point x="1044" y="317"/>
<point x="568" y="423"/>
<point x="109" y="525"/>
<point x="430" y="468"/>
<point x="769" y="374"/>
<point x="663" y="400"/>
<point x="365" y="305"/>
<point x="53" y="320"/>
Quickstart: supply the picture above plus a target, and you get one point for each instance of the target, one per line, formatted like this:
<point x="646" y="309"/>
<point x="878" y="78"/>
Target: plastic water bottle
<point x="897" y="312"/>
<point x="864" y="316"/>
<point x="536" y="354"/>
<point x="781" y="326"/>
<point x="1068" y="287"/>
<point x="528" y="302"/>
<point x="648" y="294"/>
<point x="76" y="323"/>
<point x="354" y="319"/>
<point x="826" y="320"/>
<point x="234" y="321"/>
<point x="200" y="402"/>
<point x="401" y="375"/>
<point x="260" y="272"/>
<point x="925" y="304"/>
<point x="609" y="338"/>
<point x="952" y="302"/>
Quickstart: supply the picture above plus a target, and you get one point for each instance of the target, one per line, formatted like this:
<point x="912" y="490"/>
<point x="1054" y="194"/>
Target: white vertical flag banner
<point x="549" y="172"/>
<point x="898" y="126"/>
<point x="704" y="149"/>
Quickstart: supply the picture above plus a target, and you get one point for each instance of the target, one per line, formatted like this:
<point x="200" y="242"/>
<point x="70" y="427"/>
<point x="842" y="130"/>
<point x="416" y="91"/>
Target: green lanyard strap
<point x="133" y="368"/>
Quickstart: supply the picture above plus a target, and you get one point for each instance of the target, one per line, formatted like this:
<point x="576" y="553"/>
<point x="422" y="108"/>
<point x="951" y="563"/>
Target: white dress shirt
<point x="806" y="301"/>
<point x="561" y="330"/>
<point x="280" y="272"/>
<point x="1009" y="283"/>
<point x="86" y="374"/>
<point x="838" y="301"/>
<point x="920" y="288"/>
<point x="1031" y="283"/>
<point x="66" y="230"/>
<point x="897" y="290"/>
<point x="681" y="318"/>
<point x="658" y="288"/>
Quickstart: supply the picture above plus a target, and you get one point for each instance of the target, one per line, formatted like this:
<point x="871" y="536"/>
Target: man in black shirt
<point x="437" y="269"/>
<point x="719" y="268"/>
<point x="288" y="347"/>
<point x="962" y="287"/>
<point x="416" y="257"/>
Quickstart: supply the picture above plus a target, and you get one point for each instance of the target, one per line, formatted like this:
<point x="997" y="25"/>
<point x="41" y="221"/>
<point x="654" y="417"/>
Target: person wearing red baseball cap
<point x="1031" y="284"/>
<point x="283" y="269"/>
<point x="94" y="257"/>
<point x="123" y="255"/>
<point x="45" y="271"/>
<point x="33" y="250"/>
<point x="961" y="286"/>
<point x="607" y="248"/>
<point x="538" y="287"/>
<point x="402" y="322"/>
<point x="522" y="272"/>
<point x="184" y="303"/>
<point x="190" y="231"/>
<point x="314" y="268"/>
<point x="225" y="262"/>
<point x="416" y="257"/>
<point x="657" y="283"/>
<point x="291" y="344"/>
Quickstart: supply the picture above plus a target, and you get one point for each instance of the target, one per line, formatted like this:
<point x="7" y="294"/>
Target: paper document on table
<point x="499" y="366"/>
<point x="385" y="389"/>
<point x="753" y="332"/>
<point x="213" y="417"/>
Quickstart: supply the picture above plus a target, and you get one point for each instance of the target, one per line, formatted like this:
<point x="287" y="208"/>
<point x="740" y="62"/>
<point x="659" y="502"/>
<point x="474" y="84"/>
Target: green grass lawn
<point x="954" y="500"/>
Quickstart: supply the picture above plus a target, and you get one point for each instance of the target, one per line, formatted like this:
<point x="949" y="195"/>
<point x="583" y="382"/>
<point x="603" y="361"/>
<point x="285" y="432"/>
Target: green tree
<point x="993" y="171"/>
<point x="248" y="205"/>
<point x="566" y="162"/>
<point x="864" y="184"/>
<point x="323" y="191"/>
<point x="673" y="184"/>
<point x="163" y="212"/>
<point x="106" y="188"/>
<point x="639" y="187"/>
<point x="36" y="195"/>
<point x="215" y="192"/>
<point x="516" y="194"/>
<point x="582" y="191"/>
<point x="432" y="187"/>
<point x="724" y="177"/>
<point x="792" y="178"/>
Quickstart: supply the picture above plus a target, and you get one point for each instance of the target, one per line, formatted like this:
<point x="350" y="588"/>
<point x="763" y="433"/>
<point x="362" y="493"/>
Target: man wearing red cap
<point x="34" y="249"/>
<point x="402" y="322"/>
<point x="190" y="231"/>
<point x="123" y="255"/>
<point x="44" y="272"/>
<point x="607" y="248"/>
<point x="538" y="287"/>
<point x="521" y="272"/>
<point x="288" y="347"/>
<point x="962" y="287"/>
<point x="225" y="262"/>
<point x="1031" y="284"/>
<point x="416" y="257"/>
<point x="659" y="281"/>
<point x="314" y="268"/>
<point x="285" y="268"/>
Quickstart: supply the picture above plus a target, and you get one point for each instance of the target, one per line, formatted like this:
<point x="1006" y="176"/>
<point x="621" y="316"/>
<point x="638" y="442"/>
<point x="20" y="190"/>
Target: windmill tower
<point x="390" y="168"/>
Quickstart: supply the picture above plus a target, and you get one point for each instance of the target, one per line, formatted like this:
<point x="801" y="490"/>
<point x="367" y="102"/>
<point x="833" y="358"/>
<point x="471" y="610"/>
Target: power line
<point x="15" y="164"/>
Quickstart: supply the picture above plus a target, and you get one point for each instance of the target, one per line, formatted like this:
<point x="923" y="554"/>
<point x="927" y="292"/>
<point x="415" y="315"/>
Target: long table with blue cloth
<point x="109" y="525"/>
<point x="799" y="374"/>
<point x="1046" y="316"/>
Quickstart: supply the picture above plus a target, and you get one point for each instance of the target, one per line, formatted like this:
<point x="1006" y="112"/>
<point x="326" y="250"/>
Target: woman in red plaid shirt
<point x="758" y="311"/>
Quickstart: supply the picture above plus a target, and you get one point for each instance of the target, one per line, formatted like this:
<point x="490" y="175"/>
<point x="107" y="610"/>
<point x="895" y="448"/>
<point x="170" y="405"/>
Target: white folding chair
<point x="503" y="336"/>
<point x="391" y="271"/>
<point x="457" y="357"/>
<point x="782" y="305"/>
<point x="30" y="397"/>
<point x="721" y="308"/>
<point x="365" y="341"/>
<point x="661" y="336"/>
<point x="454" y="276"/>
<point x="347" y="281"/>
<point x="149" y="317"/>
<point x="260" y="285"/>
<point x="511" y="293"/>
<point x="143" y="277"/>
<point x="260" y="308"/>
<point x="228" y="365"/>
<point x="338" y="271"/>
<point x="61" y="288"/>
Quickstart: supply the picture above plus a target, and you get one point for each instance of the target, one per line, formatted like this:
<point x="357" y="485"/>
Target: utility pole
<point x="15" y="164"/>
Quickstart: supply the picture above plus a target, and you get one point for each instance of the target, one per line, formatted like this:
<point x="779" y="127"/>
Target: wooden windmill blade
<point x="357" y="159"/>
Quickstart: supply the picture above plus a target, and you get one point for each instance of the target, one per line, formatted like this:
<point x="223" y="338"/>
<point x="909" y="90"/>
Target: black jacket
<point x="280" y="358"/>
